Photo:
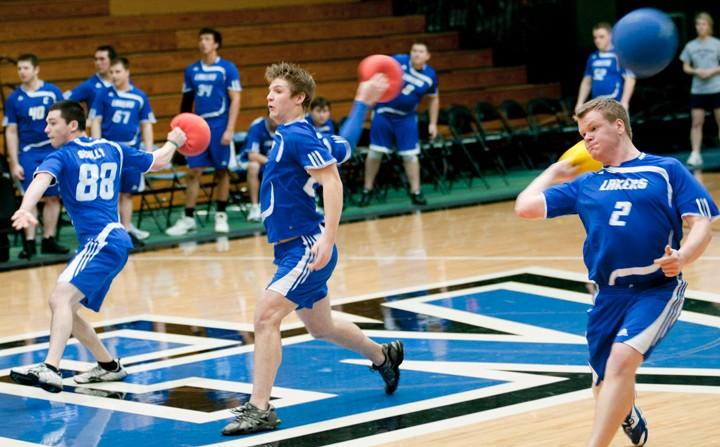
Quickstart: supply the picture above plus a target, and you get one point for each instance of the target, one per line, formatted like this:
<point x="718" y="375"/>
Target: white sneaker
<point x="221" y="223"/>
<point x="138" y="233"/>
<point x="694" y="160"/>
<point x="254" y="214"/>
<point x="38" y="375"/>
<point x="100" y="374"/>
<point x="182" y="227"/>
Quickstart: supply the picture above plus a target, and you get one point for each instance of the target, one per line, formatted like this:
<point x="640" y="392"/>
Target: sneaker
<point x="138" y="233"/>
<point x="389" y="370"/>
<point x="137" y="243"/>
<point x="50" y="246"/>
<point x="38" y="375"/>
<point x="418" y="198"/>
<point x="29" y="249"/>
<point x="695" y="160"/>
<point x="183" y="226"/>
<point x="108" y="394"/>
<point x="254" y="214"/>
<point x="221" y="223"/>
<point x="251" y="419"/>
<point x="635" y="427"/>
<point x="100" y="374"/>
<point x="365" y="198"/>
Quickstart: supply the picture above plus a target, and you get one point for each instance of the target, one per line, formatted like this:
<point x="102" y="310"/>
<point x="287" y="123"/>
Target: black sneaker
<point x="418" y="198"/>
<point x="365" y="198"/>
<point x="51" y="247"/>
<point x="251" y="419"/>
<point x="29" y="249"/>
<point x="390" y="369"/>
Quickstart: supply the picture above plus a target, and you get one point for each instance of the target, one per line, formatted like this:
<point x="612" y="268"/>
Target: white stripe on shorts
<point x="91" y="248"/>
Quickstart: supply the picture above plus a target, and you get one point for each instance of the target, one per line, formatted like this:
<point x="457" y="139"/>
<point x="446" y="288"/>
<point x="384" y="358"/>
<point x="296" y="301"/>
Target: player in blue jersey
<point x="87" y="173"/>
<point x="122" y="114"/>
<point x="395" y="122"/>
<point x="604" y="76"/>
<point x="213" y="84"/>
<point x="319" y="116"/>
<point x="27" y="144"/>
<point x="305" y="250"/>
<point x="258" y="142"/>
<point x="86" y="90"/>
<point x="633" y="212"/>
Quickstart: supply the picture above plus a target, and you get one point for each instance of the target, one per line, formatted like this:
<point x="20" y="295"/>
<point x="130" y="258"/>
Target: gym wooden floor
<point x="378" y="256"/>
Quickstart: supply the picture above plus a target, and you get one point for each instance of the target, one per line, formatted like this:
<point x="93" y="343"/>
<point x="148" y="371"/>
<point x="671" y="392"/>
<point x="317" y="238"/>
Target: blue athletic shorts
<point x="217" y="154"/>
<point x="29" y="161"/>
<point x="132" y="181"/>
<point x="387" y="129"/>
<point x="96" y="263"/>
<point x="293" y="278"/>
<point x="638" y="316"/>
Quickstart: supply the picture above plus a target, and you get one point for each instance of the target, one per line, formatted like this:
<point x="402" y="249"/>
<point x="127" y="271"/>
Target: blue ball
<point x="645" y="40"/>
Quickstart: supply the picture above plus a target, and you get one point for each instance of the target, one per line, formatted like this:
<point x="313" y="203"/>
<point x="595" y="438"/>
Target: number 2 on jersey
<point x="94" y="179"/>
<point x="622" y="209"/>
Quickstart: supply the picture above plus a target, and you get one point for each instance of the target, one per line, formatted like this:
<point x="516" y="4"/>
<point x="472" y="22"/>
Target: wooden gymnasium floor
<point x="473" y="272"/>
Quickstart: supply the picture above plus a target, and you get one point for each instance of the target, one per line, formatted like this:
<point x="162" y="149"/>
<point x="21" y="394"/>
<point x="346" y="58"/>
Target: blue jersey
<point x="28" y="110"/>
<point x="417" y="83"/>
<point x="87" y="90"/>
<point x="630" y="213"/>
<point x="122" y="113"/>
<point x="87" y="172"/>
<point x="326" y="129"/>
<point x="211" y="84"/>
<point x="259" y="138"/>
<point x="607" y="74"/>
<point x="287" y="198"/>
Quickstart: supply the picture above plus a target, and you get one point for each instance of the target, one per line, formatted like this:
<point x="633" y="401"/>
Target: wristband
<point x="177" y="146"/>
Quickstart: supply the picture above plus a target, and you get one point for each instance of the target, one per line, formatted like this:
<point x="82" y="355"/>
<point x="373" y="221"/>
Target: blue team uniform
<point x="28" y="111"/>
<point x="87" y="172"/>
<point x="607" y="74"/>
<point x="259" y="139"/>
<point x="287" y="201"/>
<point x="212" y="101"/>
<point x="630" y="213"/>
<point x="122" y="114"/>
<point x="397" y="120"/>
<point x="87" y="90"/>
<point x="326" y="129"/>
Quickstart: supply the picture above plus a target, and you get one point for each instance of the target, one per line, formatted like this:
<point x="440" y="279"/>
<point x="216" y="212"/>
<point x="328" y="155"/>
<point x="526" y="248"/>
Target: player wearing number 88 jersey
<point x="87" y="172"/>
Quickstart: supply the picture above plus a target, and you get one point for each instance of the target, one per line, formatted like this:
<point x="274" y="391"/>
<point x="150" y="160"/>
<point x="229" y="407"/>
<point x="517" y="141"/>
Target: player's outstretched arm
<point x="368" y="93"/>
<point x="329" y="178"/>
<point x="696" y="241"/>
<point x="25" y="216"/>
<point x="530" y="204"/>
<point x="162" y="157"/>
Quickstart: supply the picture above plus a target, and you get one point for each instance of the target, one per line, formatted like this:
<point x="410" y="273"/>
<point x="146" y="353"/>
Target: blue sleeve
<point x="435" y="90"/>
<point x="331" y="126"/>
<point x="52" y="164"/>
<point x="689" y="196"/>
<point x="79" y="93"/>
<point x="353" y="125"/>
<point x="232" y="79"/>
<point x="187" y="81"/>
<point x="561" y="200"/>
<point x="309" y="151"/>
<point x="96" y="108"/>
<point x="58" y="93"/>
<point x="588" y="67"/>
<point x="146" y="114"/>
<point x="252" y="140"/>
<point x="10" y="115"/>
<point x="136" y="159"/>
<point x="340" y="149"/>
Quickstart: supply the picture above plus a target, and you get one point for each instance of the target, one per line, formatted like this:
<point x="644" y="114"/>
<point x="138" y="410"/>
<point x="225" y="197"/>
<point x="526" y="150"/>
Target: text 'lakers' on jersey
<point x="417" y="83"/>
<point x="28" y="110"/>
<point x="87" y="172"/>
<point x="286" y="194"/>
<point x="211" y="84"/>
<point x="630" y="213"/>
<point x="122" y="113"/>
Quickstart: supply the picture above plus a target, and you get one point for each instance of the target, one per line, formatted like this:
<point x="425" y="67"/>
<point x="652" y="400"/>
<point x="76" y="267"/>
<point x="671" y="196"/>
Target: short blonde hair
<point x="299" y="80"/>
<point x="706" y="17"/>
<point x="610" y="109"/>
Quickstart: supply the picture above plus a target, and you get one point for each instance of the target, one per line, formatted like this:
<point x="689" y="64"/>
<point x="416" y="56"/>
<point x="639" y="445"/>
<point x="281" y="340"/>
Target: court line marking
<point x="206" y="258"/>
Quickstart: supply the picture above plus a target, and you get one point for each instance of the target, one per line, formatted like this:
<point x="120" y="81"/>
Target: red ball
<point x="197" y="131"/>
<point x="380" y="63"/>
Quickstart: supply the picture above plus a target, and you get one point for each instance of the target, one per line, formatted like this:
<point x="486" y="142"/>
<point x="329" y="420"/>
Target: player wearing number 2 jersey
<point x="633" y="211"/>
<point x="87" y="172"/>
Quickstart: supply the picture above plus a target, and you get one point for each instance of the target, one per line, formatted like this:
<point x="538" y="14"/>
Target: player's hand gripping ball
<point x="645" y="40"/>
<point x="579" y="157"/>
<point x="380" y="63"/>
<point x="197" y="131"/>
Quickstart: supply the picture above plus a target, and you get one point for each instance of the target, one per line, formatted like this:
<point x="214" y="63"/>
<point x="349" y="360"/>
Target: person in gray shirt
<point x="701" y="59"/>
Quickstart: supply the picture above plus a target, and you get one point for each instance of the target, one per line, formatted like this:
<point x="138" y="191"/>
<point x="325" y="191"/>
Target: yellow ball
<point x="580" y="158"/>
